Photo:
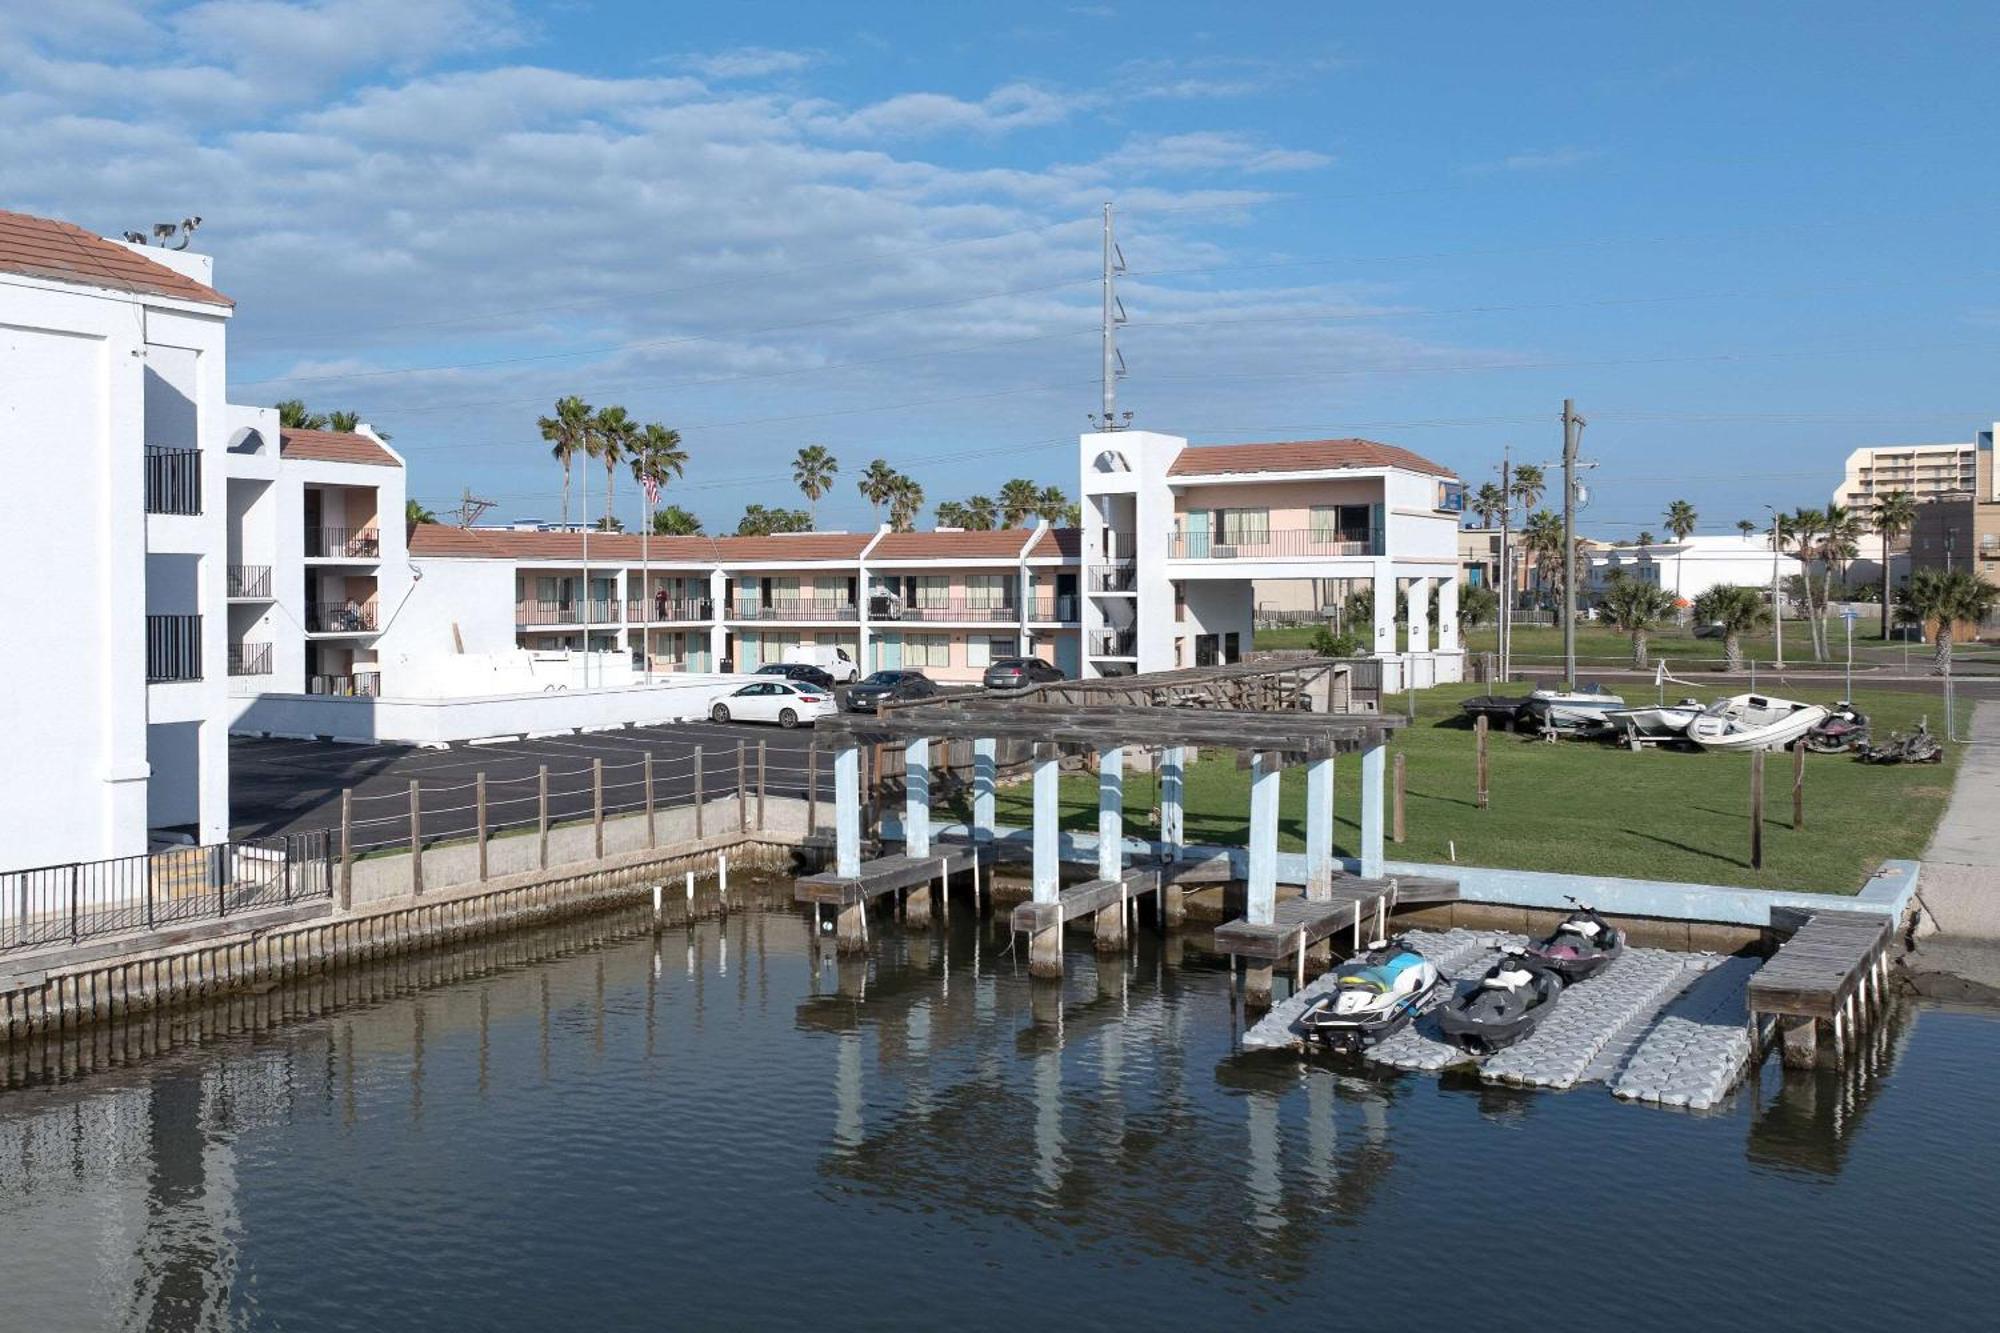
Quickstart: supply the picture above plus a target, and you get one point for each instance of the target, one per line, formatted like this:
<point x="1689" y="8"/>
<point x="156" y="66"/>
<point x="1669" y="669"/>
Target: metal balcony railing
<point x="794" y="608"/>
<point x="961" y="610"/>
<point x="340" y="618"/>
<point x="1057" y="609"/>
<point x="1114" y="643"/>
<point x="249" y="580"/>
<point x="343" y="543"/>
<point x="565" y="613"/>
<point x="173" y="480"/>
<point x="249" y="659"/>
<point x="662" y="610"/>
<point x="173" y="648"/>
<point x="1121" y="577"/>
<point x="1277" y="544"/>
<point x="360" y="685"/>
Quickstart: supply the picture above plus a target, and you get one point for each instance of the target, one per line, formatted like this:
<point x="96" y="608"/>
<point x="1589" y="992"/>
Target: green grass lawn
<point x="1585" y="807"/>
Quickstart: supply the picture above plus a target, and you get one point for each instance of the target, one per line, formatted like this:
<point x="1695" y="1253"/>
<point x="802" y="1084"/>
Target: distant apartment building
<point x="1963" y="532"/>
<point x="1926" y="471"/>
<point x="1689" y="568"/>
<point x="112" y="405"/>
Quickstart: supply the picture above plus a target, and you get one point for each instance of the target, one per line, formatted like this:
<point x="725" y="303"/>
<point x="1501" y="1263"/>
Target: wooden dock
<point x="1833" y="970"/>
<point x="1108" y="904"/>
<point x="1354" y="906"/>
<point x="899" y="873"/>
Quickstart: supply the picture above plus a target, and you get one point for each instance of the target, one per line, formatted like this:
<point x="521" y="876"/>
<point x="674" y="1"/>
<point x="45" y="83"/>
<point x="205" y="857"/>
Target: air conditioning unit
<point x="1222" y="552"/>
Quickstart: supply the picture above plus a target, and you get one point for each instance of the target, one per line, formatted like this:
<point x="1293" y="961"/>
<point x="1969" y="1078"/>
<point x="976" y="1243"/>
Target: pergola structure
<point x="1068" y="716"/>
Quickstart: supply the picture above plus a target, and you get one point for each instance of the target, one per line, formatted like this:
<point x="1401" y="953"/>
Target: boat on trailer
<point x="1753" y="722"/>
<point x="1573" y="710"/>
<point x="1655" y="721"/>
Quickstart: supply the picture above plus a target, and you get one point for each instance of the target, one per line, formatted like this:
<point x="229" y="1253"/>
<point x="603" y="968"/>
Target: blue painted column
<point x="1374" y="766"/>
<point x="1173" y="812"/>
<point x="847" y="811"/>
<point x="985" y="783"/>
<point x="1266" y="773"/>
<point x="1047" y="873"/>
<point x="1110" y="812"/>
<point x="917" y="798"/>
<point x="1319" y="829"/>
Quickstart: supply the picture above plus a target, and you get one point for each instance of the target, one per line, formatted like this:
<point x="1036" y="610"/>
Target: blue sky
<point x="1745" y="239"/>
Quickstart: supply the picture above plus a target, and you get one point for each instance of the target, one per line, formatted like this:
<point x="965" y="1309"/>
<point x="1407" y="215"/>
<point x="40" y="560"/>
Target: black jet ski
<point x="1375" y="994"/>
<point x="1514" y="996"/>
<point x="1582" y="946"/>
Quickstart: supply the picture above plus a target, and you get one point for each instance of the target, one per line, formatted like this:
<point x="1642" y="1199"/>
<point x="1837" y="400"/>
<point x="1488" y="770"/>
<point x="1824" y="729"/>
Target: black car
<point x="868" y="695"/>
<point x="1017" y="673"/>
<point x="803" y="673"/>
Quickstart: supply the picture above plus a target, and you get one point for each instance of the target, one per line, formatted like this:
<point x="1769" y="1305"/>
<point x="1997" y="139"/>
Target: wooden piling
<point x="1756" y="809"/>
<point x="1798" y="784"/>
<point x="542" y="814"/>
<point x="346" y="856"/>
<point x="760" y="786"/>
<point x="416" y="839"/>
<point x="697" y="792"/>
<point x="812" y="788"/>
<point x="742" y="788"/>
<point x="646" y="771"/>
<point x="1396" y="820"/>
<point x="1479" y="730"/>
<point x="597" y="808"/>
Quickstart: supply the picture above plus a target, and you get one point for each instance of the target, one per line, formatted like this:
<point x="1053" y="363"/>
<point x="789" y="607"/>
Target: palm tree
<point x="657" y="454"/>
<point x="415" y="513"/>
<point x="1895" y="515"/>
<point x="1489" y="502"/>
<point x="1542" y="538"/>
<point x="1838" y="544"/>
<point x="292" y="415"/>
<point x="981" y="513"/>
<point x="1018" y="499"/>
<point x="1739" y="611"/>
<point x="876" y="484"/>
<point x="674" y="521"/>
<point x="1645" y="539"/>
<point x="1940" y="600"/>
<point x="951" y="514"/>
<point x="1477" y="605"/>
<point x="1051" y="504"/>
<point x="1527" y="487"/>
<point x="1804" y="528"/>
<point x="1747" y="527"/>
<point x="1680" y="519"/>
<point x="1637" y="608"/>
<point x="570" y="430"/>
<point x="617" y="436"/>
<point x="906" y="501"/>
<point x="812" y="472"/>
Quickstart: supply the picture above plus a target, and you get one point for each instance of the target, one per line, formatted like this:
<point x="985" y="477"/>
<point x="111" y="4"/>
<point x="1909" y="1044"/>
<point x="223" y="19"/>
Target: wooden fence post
<point x="479" y="804"/>
<point x="742" y="787"/>
<point x="597" y="808"/>
<point x="542" y="813"/>
<point x="698" y="801"/>
<point x="1396" y="827"/>
<point x="346" y="856"/>
<point x="646" y="770"/>
<point x="1479" y="729"/>
<point x="812" y="788"/>
<point x="1799" y="784"/>
<point x="760" y="786"/>
<point x="416" y="839"/>
<point x="1756" y="809"/>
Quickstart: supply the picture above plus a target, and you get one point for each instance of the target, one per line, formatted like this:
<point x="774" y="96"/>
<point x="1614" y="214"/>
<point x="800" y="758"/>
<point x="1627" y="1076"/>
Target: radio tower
<point x="1114" y="315"/>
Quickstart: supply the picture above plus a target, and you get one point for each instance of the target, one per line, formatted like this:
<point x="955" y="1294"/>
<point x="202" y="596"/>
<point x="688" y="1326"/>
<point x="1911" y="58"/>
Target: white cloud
<point x="1547" y="159"/>
<point x="926" y="115"/>
<point x="748" y="62"/>
<point x="1210" y="150"/>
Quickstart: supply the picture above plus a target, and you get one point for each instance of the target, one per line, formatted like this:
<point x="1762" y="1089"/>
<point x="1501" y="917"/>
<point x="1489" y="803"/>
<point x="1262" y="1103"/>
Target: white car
<point x="784" y="702"/>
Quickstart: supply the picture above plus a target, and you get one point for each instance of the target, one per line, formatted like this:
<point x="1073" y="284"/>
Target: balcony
<point x="955" y="609"/>
<point x="1283" y="544"/>
<point x="533" y="614"/>
<point x="664" y="611"/>
<point x="795" y="608"/>
<point x="173" y="648"/>
<point x="249" y="582"/>
<point x="173" y="480"/>
<point x="343" y="544"/>
<point x="360" y="685"/>
<point x="1056" y="610"/>
<point x="249" y="659"/>
<point x="340" y="618"/>
<point x="1114" y="643"/>
<point x="1121" y="577"/>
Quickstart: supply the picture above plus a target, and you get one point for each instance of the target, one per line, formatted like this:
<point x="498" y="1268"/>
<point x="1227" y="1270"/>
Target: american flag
<point x="650" y="485"/>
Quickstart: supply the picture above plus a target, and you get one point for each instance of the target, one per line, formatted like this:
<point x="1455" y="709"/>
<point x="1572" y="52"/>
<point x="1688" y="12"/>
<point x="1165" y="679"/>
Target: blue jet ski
<point x="1375" y="994"/>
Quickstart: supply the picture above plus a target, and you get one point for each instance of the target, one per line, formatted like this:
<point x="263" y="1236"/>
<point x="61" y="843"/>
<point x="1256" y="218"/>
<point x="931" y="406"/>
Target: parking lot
<point x="281" y="786"/>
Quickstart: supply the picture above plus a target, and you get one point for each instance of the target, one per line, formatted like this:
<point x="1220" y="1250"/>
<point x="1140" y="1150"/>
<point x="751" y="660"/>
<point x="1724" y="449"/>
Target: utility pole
<point x="470" y="508"/>
<point x="1572" y="437"/>
<point x="1504" y="640"/>
<point x="1112" y="317"/>
<point x="1777" y="605"/>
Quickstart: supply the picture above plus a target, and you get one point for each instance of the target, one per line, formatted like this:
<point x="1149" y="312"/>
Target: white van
<point x="832" y="660"/>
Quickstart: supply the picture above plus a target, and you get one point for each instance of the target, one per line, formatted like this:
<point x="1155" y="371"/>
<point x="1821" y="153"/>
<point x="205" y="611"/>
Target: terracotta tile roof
<point x="1298" y="456"/>
<point x="64" y="252"/>
<point x="334" y="446"/>
<point x="1064" y="542"/>
<point x="808" y="546"/>
<point x="443" y="539"/>
<point x="994" y="544"/>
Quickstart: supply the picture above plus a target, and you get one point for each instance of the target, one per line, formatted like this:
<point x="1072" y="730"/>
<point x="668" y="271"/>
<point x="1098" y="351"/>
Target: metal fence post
<point x="812" y="788"/>
<point x="742" y="788"/>
<point x="416" y="839"/>
<point x="346" y="855"/>
<point x="287" y="854"/>
<point x="760" y="786"/>
<point x="218" y="856"/>
<point x="542" y="813"/>
<point x="597" y="808"/>
<point x="646" y="771"/>
<point x="697" y="791"/>
<point x="479" y="804"/>
<point x="74" y="870"/>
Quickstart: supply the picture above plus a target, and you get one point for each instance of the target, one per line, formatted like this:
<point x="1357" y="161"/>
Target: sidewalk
<point x="1960" y="886"/>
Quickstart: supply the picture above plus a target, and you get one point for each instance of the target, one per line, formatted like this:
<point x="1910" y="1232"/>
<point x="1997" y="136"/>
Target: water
<point x="703" y="1132"/>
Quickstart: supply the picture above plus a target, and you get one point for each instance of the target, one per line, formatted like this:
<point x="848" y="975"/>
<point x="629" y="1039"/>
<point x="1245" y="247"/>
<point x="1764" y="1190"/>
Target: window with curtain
<point x="934" y="591"/>
<point x="926" y="650"/>
<point x="982" y="650"/>
<point x="1245" y="527"/>
<point x="986" y="590"/>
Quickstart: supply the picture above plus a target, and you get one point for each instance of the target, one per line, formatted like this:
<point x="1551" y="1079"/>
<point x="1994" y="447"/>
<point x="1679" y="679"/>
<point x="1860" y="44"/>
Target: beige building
<point x="1963" y="532"/>
<point x="1927" y="471"/>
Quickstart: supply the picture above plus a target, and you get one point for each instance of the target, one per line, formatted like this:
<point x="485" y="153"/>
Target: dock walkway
<point x="1357" y="906"/>
<point x="1834" y="969"/>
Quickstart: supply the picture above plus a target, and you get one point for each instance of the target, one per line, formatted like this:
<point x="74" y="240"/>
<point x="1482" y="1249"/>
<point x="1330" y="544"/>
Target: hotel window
<point x="986" y="590"/>
<point x="1340" y="523"/>
<point x="555" y="592"/>
<point x="926" y="650"/>
<point x="830" y="592"/>
<point x="982" y="650"/>
<point x="1245" y="527"/>
<point x="933" y="591"/>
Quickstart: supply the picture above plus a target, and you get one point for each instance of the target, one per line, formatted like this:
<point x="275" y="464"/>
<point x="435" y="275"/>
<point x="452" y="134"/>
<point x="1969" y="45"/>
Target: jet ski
<point x="1582" y="946"/>
<point x="1844" y="728"/>
<point x="1375" y="994"/>
<point x="1507" y="1004"/>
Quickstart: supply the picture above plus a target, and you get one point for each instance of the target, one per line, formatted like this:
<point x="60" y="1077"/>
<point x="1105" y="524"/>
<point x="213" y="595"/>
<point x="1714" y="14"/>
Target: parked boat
<point x="1573" y="710"/>
<point x="1498" y="709"/>
<point x="1753" y="722"/>
<point x="1655" y="721"/>
<point x="1507" y="1004"/>
<point x="1375" y="995"/>
<point x="1581" y="947"/>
